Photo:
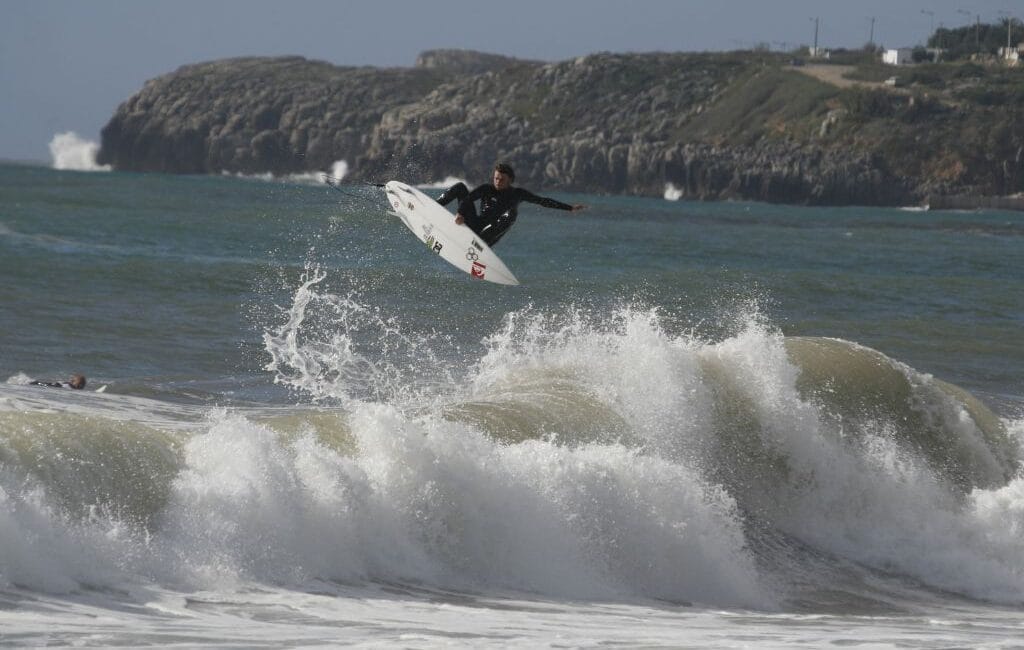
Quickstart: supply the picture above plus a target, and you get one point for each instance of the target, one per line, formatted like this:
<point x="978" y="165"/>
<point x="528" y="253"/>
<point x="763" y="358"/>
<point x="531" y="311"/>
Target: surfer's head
<point x="77" y="381"/>
<point x="503" y="176"/>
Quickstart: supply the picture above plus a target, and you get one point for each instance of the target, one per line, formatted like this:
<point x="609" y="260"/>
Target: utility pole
<point x="977" y="27"/>
<point x="814" y="52"/>
<point x="1009" y="30"/>
<point x="976" y="38"/>
<point x="871" y="34"/>
<point x="932" y="29"/>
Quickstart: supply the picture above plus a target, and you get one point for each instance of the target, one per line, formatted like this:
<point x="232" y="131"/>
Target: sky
<point x="66" y="65"/>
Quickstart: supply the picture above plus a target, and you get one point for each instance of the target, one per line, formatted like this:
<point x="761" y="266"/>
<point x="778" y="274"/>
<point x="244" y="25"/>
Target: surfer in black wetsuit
<point x="77" y="382"/>
<point x="499" y="203"/>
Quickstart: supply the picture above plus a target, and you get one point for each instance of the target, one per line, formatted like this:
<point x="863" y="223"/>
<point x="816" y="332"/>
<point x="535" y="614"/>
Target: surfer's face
<point x="501" y="181"/>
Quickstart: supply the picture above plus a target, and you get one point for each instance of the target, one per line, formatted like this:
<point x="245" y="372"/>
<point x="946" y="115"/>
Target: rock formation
<point x="715" y="126"/>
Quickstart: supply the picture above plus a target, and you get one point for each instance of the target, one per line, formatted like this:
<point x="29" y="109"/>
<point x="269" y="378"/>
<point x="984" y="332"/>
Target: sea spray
<point x="45" y="549"/>
<point x="332" y="347"/>
<point x="71" y="151"/>
<point x="623" y="362"/>
<point x="339" y="169"/>
<point x="250" y="505"/>
<point x="961" y="439"/>
<point x="742" y="416"/>
<point x="857" y="488"/>
<point x="424" y="500"/>
<point x="696" y="471"/>
<point x="444" y="488"/>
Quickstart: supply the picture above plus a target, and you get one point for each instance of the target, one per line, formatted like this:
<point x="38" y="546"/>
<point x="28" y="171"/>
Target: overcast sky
<point x="66" y="65"/>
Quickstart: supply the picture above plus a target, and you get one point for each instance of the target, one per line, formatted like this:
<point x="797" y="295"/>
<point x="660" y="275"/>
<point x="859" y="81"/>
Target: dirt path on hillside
<point x="833" y="74"/>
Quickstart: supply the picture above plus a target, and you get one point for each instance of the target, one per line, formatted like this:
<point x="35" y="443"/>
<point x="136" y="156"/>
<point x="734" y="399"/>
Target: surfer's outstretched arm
<point x="543" y="201"/>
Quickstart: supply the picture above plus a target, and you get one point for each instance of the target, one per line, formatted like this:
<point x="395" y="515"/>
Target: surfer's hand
<point x="458" y="219"/>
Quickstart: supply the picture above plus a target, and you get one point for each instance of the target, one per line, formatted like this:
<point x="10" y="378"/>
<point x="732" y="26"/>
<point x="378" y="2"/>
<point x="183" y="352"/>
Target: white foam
<point x="42" y="549"/>
<point x="542" y="504"/>
<point x="334" y="347"/>
<point x="338" y="170"/>
<point x="861" y="493"/>
<point x="69" y="151"/>
<point x="672" y="193"/>
<point x="434" y="502"/>
<point x="866" y="495"/>
<point x="398" y="492"/>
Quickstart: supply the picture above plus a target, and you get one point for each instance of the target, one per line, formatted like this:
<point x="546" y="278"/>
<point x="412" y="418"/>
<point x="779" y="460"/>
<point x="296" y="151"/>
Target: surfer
<point x="499" y="203"/>
<point x="77" y="382"/>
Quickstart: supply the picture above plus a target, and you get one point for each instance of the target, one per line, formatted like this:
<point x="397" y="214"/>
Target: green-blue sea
<point x="691" y="425"/>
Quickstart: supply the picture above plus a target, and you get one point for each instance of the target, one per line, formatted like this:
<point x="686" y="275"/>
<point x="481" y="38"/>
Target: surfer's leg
<point x="492" y="234"/>
<point x="468" y="211"/>
<point x="458" y="191"/>
<point x="494" y="229"/>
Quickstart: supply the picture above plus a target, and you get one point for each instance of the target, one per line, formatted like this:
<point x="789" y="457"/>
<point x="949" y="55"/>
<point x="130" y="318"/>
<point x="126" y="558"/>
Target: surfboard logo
<point x="477" y="271"/>
<point x="434" y="245"/>
<point x="411" y="206"/>
<point x="472" y="255"/>
<point x="478" y="246"/>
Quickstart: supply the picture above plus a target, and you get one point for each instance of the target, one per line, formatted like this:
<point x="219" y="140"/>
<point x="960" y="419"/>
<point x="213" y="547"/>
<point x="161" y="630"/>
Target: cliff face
<point x="255" y="115"/>
<point x="713" y="125"/>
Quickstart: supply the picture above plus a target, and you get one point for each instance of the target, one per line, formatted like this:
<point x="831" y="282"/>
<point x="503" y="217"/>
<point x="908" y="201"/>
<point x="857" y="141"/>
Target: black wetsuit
<point x="498" y="208"/>
<point x="51" y="384"/>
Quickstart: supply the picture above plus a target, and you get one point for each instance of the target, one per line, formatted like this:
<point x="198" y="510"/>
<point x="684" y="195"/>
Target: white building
<point x="898" y="56"/>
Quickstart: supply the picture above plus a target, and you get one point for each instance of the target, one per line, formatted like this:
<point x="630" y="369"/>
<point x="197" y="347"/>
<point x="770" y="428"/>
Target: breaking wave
<point x="70" y="151"/>
<point x="578" y="454"/>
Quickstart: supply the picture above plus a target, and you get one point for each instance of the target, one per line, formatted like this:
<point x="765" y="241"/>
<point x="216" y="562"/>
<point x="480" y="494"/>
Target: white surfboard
<point x="436" y="227"/>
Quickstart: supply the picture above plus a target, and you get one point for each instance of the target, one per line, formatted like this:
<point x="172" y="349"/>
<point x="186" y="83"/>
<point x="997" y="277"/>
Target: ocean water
<point x="692" y="425"/>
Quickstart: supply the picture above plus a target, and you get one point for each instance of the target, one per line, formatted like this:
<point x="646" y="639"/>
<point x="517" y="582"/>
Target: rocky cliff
<point x="738" y="125"/>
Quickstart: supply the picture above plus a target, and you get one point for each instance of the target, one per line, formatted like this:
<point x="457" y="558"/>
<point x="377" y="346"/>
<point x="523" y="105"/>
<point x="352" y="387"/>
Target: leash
<point x="335" y="184"/>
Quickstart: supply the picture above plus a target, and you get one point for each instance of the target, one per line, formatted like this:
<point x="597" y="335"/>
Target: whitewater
<point x="300" y="429"/>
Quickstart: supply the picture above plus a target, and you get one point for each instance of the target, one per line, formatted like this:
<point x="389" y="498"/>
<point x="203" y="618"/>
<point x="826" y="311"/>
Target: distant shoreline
<point x="25" y="163"/>
<point x="931" y="203"/>
<point x="970" y="202"/>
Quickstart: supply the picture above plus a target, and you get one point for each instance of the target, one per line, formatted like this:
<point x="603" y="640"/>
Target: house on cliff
<point x="897" y="56"/>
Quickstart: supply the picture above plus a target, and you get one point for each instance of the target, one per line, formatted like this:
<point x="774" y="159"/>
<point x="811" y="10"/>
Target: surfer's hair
<point x="505" y="168"/>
